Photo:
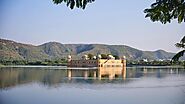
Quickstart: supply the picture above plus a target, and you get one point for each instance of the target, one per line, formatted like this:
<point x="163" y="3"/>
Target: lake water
<point x="55" y="85"/>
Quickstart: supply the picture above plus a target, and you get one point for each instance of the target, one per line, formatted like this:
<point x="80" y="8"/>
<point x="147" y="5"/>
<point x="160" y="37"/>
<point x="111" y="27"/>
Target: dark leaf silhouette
<point x="166" y="10"/>
<point x="178" y="55"/>
<point x="181" y="53"/>
<point x="74" y="3"/>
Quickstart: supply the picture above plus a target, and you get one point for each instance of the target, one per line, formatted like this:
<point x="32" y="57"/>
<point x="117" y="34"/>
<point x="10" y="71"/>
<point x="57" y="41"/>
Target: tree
<point x="90" y="56"/>
<point x="161" y="10"/>
<point x="104" y="56"/>
<point x="181" y="45"/>
<point x="116" y="56"/>
<point x="166" y="10"/>
<point x="72" y="3"/>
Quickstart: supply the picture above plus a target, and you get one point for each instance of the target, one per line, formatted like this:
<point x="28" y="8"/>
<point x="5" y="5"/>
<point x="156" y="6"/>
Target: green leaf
<point x="180" y="18"/>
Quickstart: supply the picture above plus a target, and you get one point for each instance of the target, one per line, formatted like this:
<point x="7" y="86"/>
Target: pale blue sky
<point x="104" y="21"/>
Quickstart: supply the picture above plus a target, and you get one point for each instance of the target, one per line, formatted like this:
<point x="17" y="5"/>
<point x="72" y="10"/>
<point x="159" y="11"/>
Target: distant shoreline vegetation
<point x="155" y="63"/>
<point x="57" y="62"/>
<point x="63" y="62"/>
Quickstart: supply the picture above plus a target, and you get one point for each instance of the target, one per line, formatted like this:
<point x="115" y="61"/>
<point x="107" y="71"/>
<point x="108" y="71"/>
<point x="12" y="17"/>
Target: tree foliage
<point x="90" y="56"/>
<point x="116" y="56"/>
<point x="166" y="10"/>
<point x="162" y="10"/>
<point x="181" y="53"/>
<point x="74" y="3"/>
<point x="104" y="56"/>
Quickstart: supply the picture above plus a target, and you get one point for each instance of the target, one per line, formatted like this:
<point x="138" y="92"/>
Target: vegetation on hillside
<point x="10" y="50"/>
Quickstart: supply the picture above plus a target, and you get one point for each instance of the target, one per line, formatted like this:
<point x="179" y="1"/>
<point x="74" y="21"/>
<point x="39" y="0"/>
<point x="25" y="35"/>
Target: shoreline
<point x="65" y="67"/>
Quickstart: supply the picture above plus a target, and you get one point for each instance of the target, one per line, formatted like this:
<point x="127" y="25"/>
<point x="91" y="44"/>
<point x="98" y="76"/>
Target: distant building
<point x="144" y="60"/>
<point x="161" y="60"/>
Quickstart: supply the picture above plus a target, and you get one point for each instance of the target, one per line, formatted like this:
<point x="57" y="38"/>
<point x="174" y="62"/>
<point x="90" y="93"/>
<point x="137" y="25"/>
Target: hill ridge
<point x="11" y="50"/>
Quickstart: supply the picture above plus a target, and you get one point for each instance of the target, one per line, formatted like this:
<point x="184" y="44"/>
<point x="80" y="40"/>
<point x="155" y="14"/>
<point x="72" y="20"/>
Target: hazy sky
<point x="104" y="21"/>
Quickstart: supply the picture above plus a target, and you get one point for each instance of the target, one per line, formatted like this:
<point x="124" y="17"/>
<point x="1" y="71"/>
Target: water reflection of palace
<point x="101" y="72"/>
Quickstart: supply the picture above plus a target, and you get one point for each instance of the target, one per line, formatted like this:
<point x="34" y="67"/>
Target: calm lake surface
<point x="56" y="85"/>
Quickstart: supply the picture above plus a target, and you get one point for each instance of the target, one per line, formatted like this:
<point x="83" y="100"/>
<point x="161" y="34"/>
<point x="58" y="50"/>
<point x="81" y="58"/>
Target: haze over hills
<point x="11" y="50"/>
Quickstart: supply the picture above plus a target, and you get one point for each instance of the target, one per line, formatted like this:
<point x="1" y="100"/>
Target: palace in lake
<point x="97" y="62"/>
<point x="110" y="66"/>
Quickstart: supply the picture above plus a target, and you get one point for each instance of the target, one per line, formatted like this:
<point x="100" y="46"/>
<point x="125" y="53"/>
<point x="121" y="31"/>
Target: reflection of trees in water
<point x="10" y="77"/>
<point x="14" y="76"/>
<point x="152" y="72"/>
<point x="52" y="77"/>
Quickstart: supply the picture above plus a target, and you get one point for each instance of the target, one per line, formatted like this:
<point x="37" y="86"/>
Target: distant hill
<point x="11" y="50"/>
